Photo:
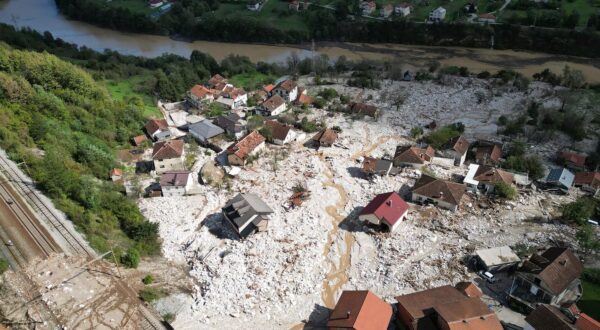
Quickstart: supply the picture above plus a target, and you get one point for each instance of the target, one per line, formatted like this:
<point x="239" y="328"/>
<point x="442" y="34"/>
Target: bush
<point x="344" y="99"/>
<point x="591" y="275"/>
<point x="131" y="259"/>
<point x="441" y="136"/>
<point x="416" y="132"/>
<point x="319" y="102"/>
<point x="328" y="94"/>
<point x="169" y="317"/>
<point x="580" y="210"/>
<point x="532" y="165"/>
<point x="150" y="294"/>
<point x="3" y="265"/>
<point x="148" y="279"/>
<point x="506" y="190"/>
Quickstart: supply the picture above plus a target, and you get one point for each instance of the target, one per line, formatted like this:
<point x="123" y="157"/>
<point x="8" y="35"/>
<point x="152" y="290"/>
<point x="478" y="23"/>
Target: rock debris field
<point x="297" y="269"/>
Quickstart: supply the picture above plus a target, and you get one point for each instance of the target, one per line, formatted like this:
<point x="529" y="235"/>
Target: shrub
<point x="580" y="210"/>
<point x="319" y="102"/>
<point x="131" y="259"/>
<point x="345" y="99"/>
<point x="328" y="94"/>
<point x="532" y="165"/>
<point x="439" y="137"/>
<point x="591" y="275"/>
<point x="169" y="317"/>
<point x="506" y="190"/>
<point x="416" y="132"/>
<point x="502" y="120"/>
<point x="150" y="294"/>
<point x="3" y="266"/>
<point x="148" y="279"/>
<point x="337" y="129"/>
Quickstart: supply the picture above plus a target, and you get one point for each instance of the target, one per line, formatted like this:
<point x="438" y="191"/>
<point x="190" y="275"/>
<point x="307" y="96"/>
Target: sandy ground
<point x="297" y="269"/>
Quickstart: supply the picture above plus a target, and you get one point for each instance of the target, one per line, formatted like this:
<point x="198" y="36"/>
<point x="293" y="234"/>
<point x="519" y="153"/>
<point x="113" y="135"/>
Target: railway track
<point x="24" y="185"/>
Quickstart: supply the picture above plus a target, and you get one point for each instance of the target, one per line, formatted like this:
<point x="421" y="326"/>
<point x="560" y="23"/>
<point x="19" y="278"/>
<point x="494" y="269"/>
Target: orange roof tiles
<point x="246" y="145"/>
<point x="167" y="149"/>
<point x="360" y="310"/>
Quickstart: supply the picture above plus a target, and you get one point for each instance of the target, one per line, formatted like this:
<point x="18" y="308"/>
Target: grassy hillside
<point x="51" y="105"/>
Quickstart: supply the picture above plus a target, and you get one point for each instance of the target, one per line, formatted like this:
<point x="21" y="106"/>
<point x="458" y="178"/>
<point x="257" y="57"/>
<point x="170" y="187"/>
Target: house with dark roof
<point x="273" y="106"/>
<point x="360" y="310"/>
<point x="444" y="308"/>
<point x="413" y="156"/>
<point x="175" y="183"/>
<point x="238" y="153"/>
<point x="363" y="109"/>
<point x="588" y="181"/>
<point x="548" y="278"/>
<point x="487" y="152"/>
<point x="548" y="317"/>
<point x="444" y="194"/>
<point x="168" y="156"/>
<point x="378" y="166"/>
<point x="483" y="177"/>
<point x="218" y="82"/>
<point x="560" y="178"/>
<point x="280" y="133"/>
<point x="233" y="124"/>
<point x="572" y="160"/>
<point x="387" y="209"/>
<point x="247" y="213"/>
<point x="456" y="148"/>
<point x="157" y="129"/>
<point x="325" y="138"/>
<point x="204" y="130"/>
<point x="287" y="89"/>
<point x="496" y="259"/>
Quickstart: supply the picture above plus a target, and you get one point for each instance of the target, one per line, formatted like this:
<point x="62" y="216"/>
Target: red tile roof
<point x="449" y="192"/>
<point x="413" y="155"/>
<point x="167" y="149"/>
<point x="388" y="207"/>
<point x="587" y="178"/>
<point x="268" y="88"/>
<point x="116" y="171"/>
<point x="154" y="125"/>
<point x="361" y="310"/>
<point x="573" y="158"/>
<point x="305" y="99"/>
<point x="556" y="267"/>
<point x="137" y="140"/>
<point x="279" y="131"/>
<point x="458" y="144"/>
<point x="488" y="174"/>
<point x="585" y="322"/>
<point x="288" y="85"/>
<point x="326" y="136"/>
<point x="469" y="289"/>
<point x="273" y="102"/>
<point x="200" y="91"/>
<point x="246" y="145"/>
<point x="217" y="80"/>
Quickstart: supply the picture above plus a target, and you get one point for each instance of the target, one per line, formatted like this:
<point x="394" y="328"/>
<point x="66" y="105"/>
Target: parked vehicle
<point x="489" y="277"/>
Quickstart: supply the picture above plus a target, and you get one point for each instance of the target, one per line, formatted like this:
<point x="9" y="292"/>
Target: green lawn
<point x="585" y="8"/>
<point x="590" y="302"/>
<point x="127" y="88"/>
<point x="274" y="12"/>
<point x="250" y="81"/>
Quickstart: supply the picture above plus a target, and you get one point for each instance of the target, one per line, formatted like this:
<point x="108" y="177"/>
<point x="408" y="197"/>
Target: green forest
<point x="65" y="126"/>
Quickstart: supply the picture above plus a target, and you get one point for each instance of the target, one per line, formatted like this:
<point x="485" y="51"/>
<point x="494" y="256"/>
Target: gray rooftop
<point x="205" y="129"/>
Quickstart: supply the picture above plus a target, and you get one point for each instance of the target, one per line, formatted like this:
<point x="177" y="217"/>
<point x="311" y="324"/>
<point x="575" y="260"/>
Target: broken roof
<point x="388" y="207"/>
<point x="174" y="179"/>
<point x="488" y="174"/>
<point x="549" y="317"/>
<point x="155" y="125"/>
<point x="363" y="109"/>
<point x="273" y="102"/>
<point x="167" y="149"/>
<point x="556" y="267"/>
<point x="446" y="191"/>
<point x="279" y="131"/>
<point x="562" y="176"/>
<point x="376" y="165"/>
<point x="458" y="144"/>
<point x="217" y="79"/>
<point x="413" y="154"/>
<point x="288" y="85"/>
<point x="325" y="136"/>
<point x="488" y="151"/>
<point x="587" y="178"/>
<point x="573" y="158"/>
<point x="497" y="256"/>
<point x="360" y="310"/>
<point x="246" y="145"/>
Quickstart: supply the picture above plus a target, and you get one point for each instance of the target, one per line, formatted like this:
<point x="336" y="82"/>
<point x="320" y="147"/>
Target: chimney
<point x="348" y="314"/>
<point x="389" y="202"/>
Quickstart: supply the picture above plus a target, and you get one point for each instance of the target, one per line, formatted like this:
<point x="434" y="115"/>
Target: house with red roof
<point x="387" y="209"/>
<point x="116" y="174"/>
<point x="200" y="94"/>
<point x="586" y="322"/>
<point x="238" y="153"/>
<point x="572" y="160"/>
<point x="360" y="310"/>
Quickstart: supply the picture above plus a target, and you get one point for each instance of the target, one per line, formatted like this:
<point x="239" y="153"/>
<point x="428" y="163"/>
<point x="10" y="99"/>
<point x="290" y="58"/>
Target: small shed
<point x="560" y="178"/>
<point x="497" y="259"/>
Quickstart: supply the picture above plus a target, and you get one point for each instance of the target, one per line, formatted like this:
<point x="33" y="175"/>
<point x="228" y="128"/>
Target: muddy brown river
<point x="42" y="15"/>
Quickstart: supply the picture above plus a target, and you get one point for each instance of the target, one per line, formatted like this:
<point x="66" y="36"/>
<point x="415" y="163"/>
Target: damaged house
<point x="378" y="166"/>
<point x="387" y="209"/>
<point x="444" y="194"/>
<point x="548" y="278"/>
<point x="456" y="148"/>
<point x="238" y="153"/>
<point x="247" y="214"/>
<point x="413" y="156"/>
<point x="485" y="178"/>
